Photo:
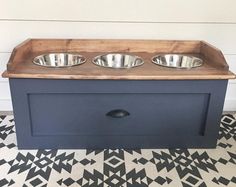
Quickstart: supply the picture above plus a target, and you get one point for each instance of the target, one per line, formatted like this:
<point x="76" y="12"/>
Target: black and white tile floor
<point x="131" y="168"/>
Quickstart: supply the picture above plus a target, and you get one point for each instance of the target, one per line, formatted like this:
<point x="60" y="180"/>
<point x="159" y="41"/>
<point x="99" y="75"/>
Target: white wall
<point x="211" y="20"/>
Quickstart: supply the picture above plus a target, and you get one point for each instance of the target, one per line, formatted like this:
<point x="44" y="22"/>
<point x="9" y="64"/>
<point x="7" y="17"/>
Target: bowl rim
<point x="68" y="53"/>
<point x="177" y="67"/>
<point x="114" y="53"/>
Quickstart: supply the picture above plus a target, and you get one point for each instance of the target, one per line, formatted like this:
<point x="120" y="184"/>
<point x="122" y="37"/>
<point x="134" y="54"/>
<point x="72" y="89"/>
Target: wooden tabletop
<point x="21" y="66"/>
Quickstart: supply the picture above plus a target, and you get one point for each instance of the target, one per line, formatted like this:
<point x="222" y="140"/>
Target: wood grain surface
<point x="20" y="64"/>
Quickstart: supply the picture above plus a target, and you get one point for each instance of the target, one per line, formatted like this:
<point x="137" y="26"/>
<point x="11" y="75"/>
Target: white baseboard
<point x="230" y="105"/>
<point x="6" y="105"/>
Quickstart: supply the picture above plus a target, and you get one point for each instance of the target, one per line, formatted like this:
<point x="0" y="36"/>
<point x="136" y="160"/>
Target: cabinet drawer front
<point x="85" y="114"/>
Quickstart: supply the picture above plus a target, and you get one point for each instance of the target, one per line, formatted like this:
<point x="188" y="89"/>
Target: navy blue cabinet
<point x="131" y="114"/>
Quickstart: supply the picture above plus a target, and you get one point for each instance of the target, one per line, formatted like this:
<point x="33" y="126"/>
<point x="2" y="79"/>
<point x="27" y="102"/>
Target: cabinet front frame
<point x="22" y="88"/>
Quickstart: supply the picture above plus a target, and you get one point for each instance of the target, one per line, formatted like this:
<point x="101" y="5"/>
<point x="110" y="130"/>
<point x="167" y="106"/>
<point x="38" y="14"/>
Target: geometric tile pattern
<point x="121" y="167"/>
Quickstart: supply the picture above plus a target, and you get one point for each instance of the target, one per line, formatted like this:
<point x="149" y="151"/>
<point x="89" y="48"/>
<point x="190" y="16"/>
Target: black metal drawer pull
<point x="118" y="113"/>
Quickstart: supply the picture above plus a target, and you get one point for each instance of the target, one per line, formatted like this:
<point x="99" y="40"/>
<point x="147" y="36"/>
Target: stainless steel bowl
<point x="118" y="61"/>
<point x="177" y="61"/>
<point x="59" y="59"/>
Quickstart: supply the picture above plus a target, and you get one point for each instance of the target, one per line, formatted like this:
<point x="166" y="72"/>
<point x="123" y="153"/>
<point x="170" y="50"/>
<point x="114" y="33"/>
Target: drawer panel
<point x="84" y="114"/>
<point x="52" y="114"/>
